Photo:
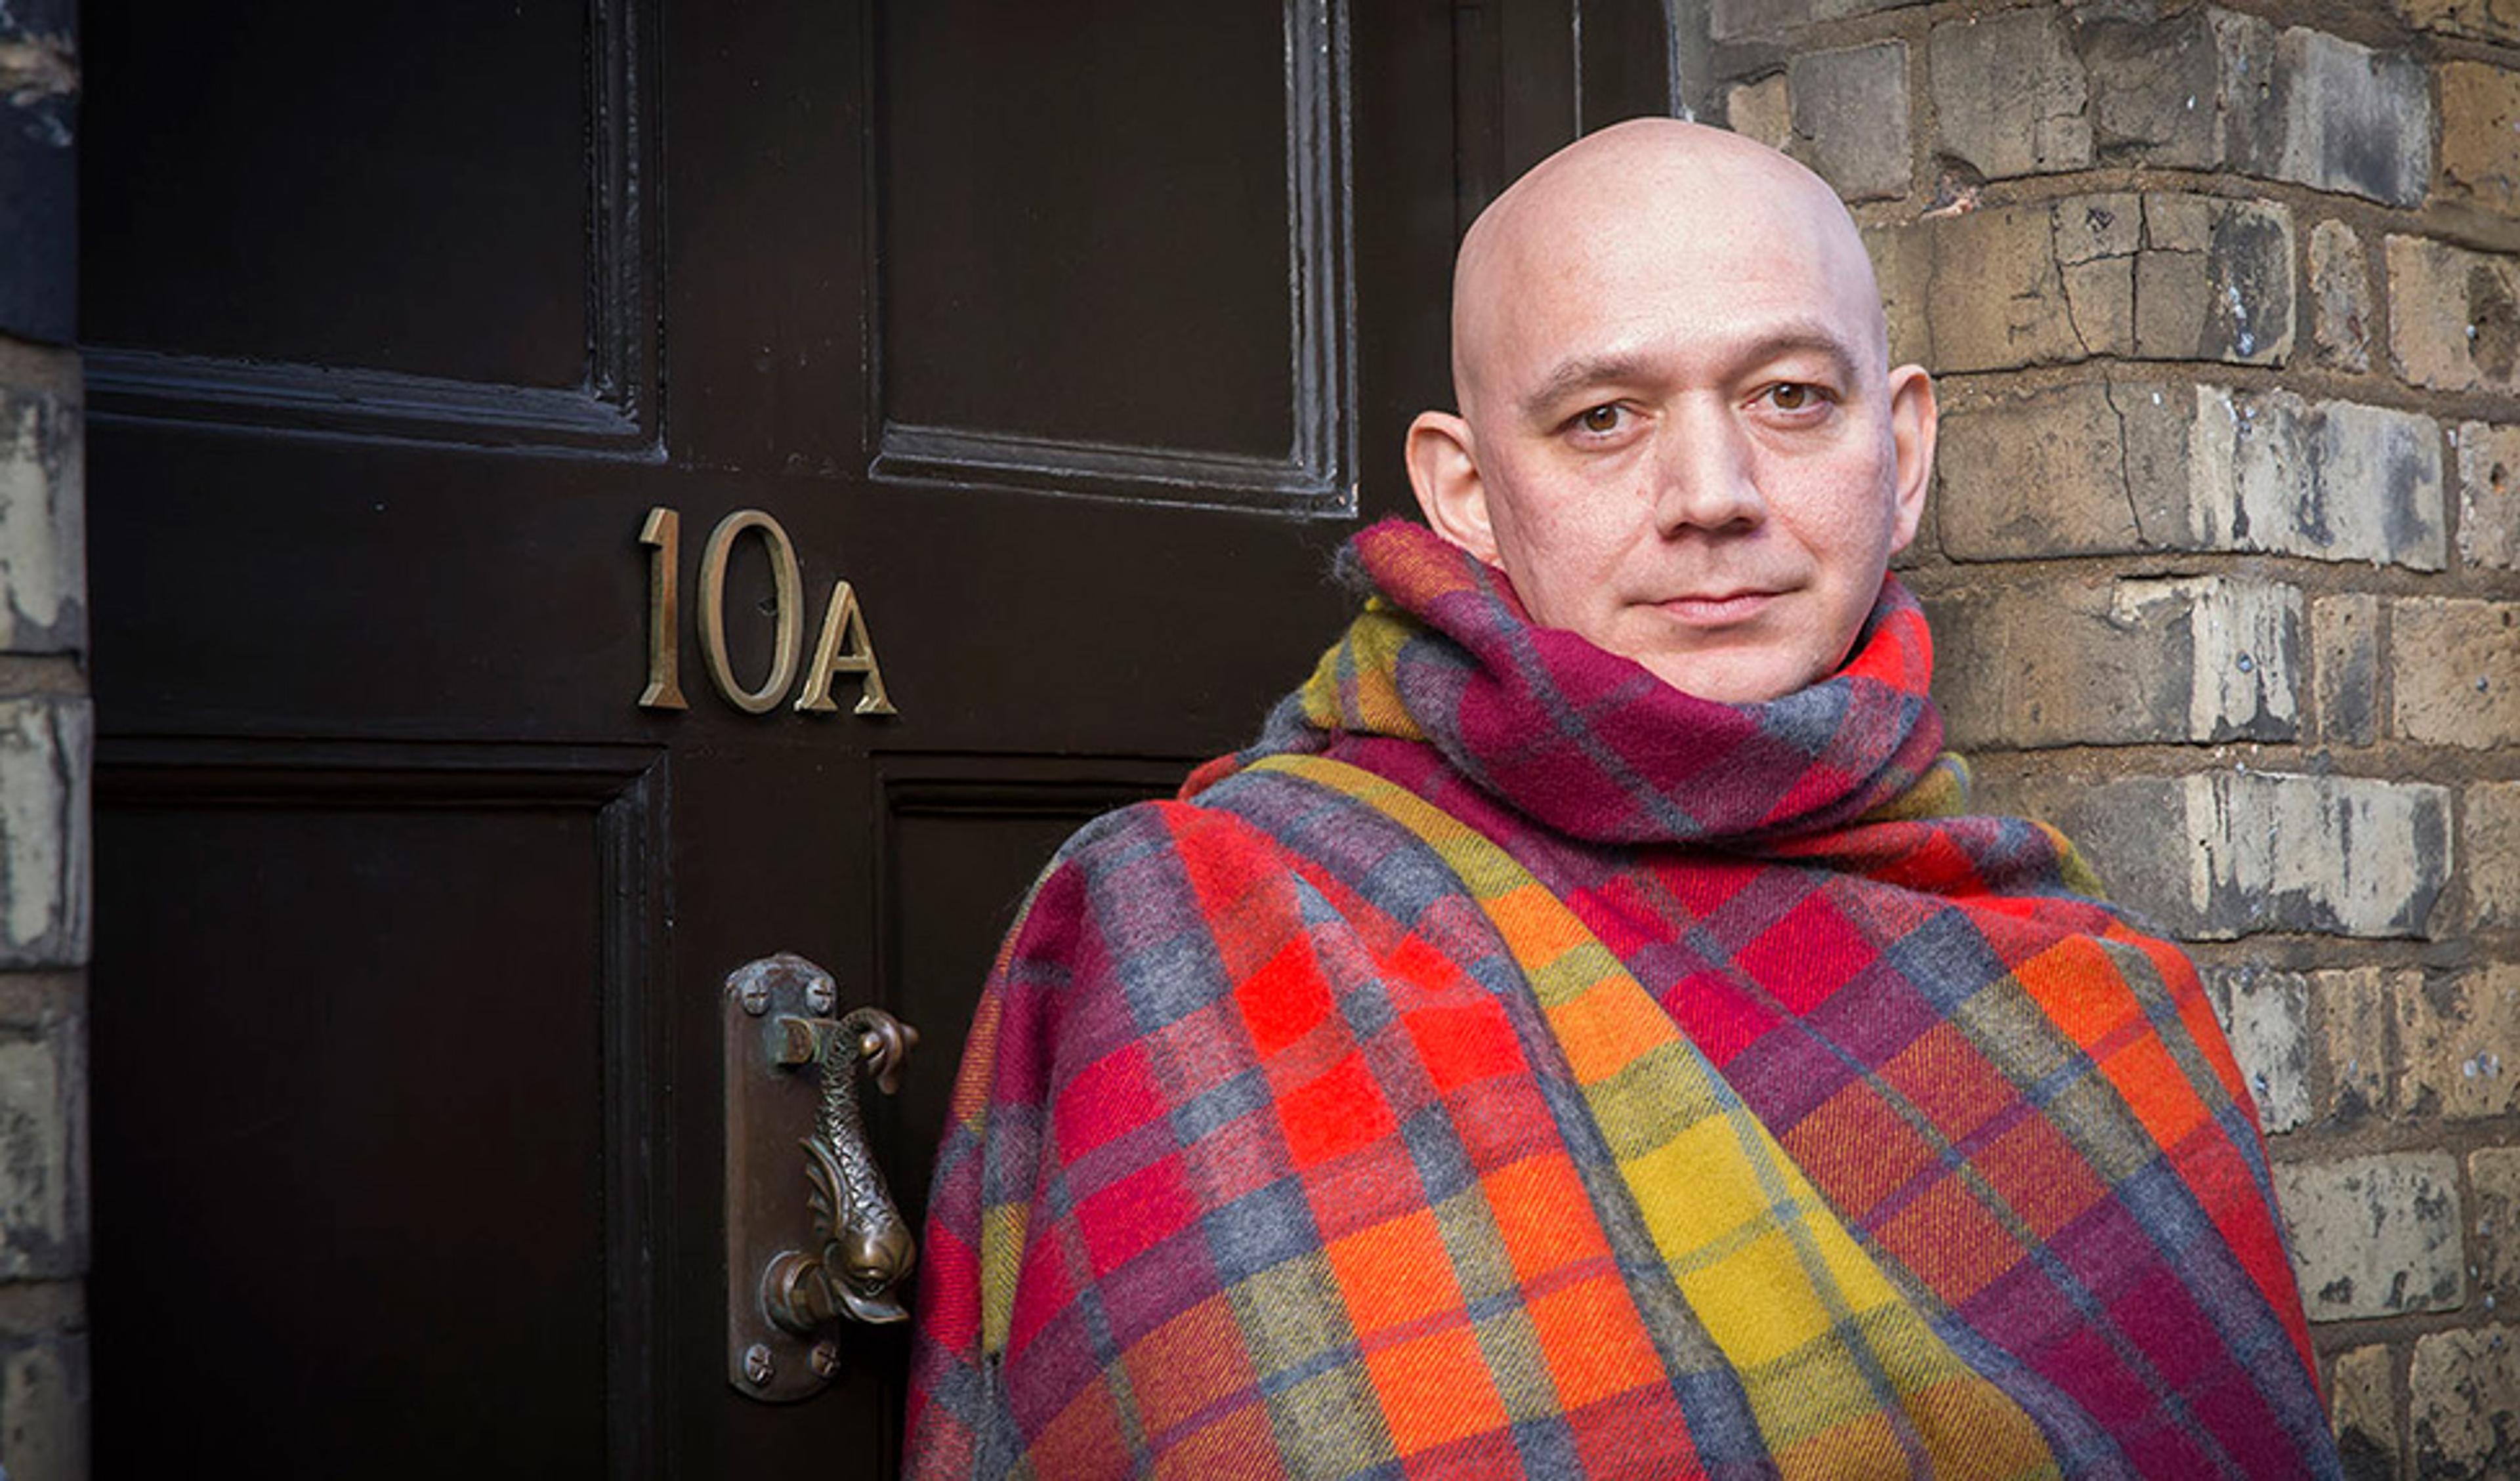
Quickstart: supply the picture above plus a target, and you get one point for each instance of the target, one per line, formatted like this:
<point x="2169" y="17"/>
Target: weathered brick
<point x="2345" y="642"/>
<point x="2480" y="136"/>
<point x="2451" y="1034"/>
<point x="2376" y="1236"/>
<point x="2248" y="107"/>
<point x="2489" y="495"/>
<point x="2214" y="281"/>
<point x="2455" y="671"/>
<point x="1902" y="265"/>
<point x="2338" y="116"/>
<point x="2329" y="479"/>
<point x="2164" y="276"/>
<point x="2491" y="19"/>
<point x="2038" y="474"/>
<point x="2364" y="1405"/>
<point x="2099" y="245"/>
<point x="2266" y="1014"/>
<point x="2158" y="424"/>
<point x="2354" y="1014"/>
<point x="42" y="1120"/>
<point x="2463" y="1403"/>
<point x="43" y="1408"/>
<point x="44" y="759"/>
<point x="2127" y="465"/>
<point x="2117" y="662"/>
<point x="2154" y="83"/>
<point x="2094" y="228"/>
<point x="2491" y="843"/>
<point x="2340" y="297"/>
<point x="43" y="1380"/>
<point x="1995" y="298"/>
<point x="2494" y="1218"/>
<point x="2453" y="316"/>
<point x="1850" y="112"/>
<point x="2008" y="95"/>
<point x="2226" y="854"/>
<point x="1761" y="111"/>
<point x="1732" y="19"/>
<point x="2207" y="88"/>
<point x="43" y="560"/>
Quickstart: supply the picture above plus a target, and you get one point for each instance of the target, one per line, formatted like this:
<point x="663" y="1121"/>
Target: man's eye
<point x="1599" y="419"/>
<point x="1792" y="396"/>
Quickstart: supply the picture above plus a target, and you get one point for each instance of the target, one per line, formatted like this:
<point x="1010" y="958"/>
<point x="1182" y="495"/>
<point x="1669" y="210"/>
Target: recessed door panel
<point x="387" y="222"/>
<point x="1113" y="246"/>
<point x="370" y="1048"/>
<point x="401" y="217"/>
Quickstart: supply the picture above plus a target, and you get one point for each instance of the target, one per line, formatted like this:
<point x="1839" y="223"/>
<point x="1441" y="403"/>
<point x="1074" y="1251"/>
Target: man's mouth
<point x="1727" y="610"/>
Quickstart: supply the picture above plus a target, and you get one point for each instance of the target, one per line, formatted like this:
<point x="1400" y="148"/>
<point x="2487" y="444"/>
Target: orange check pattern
<point x="1843" y="1376"/>
<point x="1513" y="1067"/>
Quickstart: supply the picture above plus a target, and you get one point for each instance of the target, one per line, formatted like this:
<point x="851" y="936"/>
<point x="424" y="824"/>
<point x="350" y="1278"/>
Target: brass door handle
<point x="865" y="1247"/>
<point x="794" y="1280"/>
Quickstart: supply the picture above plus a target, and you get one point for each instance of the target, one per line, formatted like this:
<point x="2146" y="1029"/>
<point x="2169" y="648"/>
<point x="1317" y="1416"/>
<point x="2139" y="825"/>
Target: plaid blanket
<point x="1513" y="1066"/>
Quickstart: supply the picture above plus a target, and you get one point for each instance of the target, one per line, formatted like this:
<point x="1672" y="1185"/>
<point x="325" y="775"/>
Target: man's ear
<point x="1914" y="416"/>
<point x="1444" y="469"/>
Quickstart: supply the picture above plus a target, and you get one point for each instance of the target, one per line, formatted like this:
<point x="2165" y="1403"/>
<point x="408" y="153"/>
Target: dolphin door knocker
<point x="867" y="1249"/>
<point x="793" y="1282"/>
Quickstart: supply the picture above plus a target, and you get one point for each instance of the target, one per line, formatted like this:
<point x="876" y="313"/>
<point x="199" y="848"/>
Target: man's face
<point x="1681" y="440"/>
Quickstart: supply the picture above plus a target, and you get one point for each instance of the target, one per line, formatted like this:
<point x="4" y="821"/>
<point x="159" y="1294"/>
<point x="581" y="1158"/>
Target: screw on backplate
<point x="820" y="995"/>
<point x="826" y="1358"/>
<point x="754" y="995"/>
<point x="756" y="1365"/>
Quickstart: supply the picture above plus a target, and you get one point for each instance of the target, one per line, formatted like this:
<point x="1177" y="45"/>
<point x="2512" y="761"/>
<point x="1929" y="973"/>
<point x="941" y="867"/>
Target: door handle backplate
<point x="813" y="1240"/>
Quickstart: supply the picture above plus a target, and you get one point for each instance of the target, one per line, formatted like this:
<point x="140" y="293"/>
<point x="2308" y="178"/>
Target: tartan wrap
<point x="1399" y="1102"/>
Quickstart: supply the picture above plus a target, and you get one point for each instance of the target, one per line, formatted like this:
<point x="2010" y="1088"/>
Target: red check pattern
<point x="1272" y="1157"/>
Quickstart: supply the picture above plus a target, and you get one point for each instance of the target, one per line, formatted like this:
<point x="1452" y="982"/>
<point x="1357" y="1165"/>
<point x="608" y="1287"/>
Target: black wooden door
<point x="1071" y="337"/>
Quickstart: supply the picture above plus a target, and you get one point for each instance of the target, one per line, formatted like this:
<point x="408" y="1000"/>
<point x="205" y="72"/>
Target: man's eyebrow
<point x="1569" y="376"/>
<point x="1812" y="335"/>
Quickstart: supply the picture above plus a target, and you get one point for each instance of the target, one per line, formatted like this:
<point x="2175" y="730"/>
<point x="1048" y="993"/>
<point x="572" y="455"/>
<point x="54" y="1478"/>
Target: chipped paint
<point x="2376" y="1236"/>
<point x="43" y="832"/>
<point x="2281" y="851"/>
<point x="43" y="557"/>
<point x="37" y="68"/>
<point x="2335" y="481"/>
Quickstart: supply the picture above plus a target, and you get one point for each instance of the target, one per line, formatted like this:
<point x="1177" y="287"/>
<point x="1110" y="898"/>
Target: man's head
<point x="1678" y="434"/>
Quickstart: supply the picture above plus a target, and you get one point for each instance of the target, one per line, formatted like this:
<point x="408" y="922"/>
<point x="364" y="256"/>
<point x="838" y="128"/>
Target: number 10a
<point x="844" y="648"/>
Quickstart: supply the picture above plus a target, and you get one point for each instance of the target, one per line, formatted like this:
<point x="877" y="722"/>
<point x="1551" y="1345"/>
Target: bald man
<point x="1587" y="1035"/>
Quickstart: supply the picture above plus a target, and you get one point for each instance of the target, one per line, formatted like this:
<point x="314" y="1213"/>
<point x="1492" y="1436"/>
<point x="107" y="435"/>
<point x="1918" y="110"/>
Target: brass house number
<point x="844" y="648"/>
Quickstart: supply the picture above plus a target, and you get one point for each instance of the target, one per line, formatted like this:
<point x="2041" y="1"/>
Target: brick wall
<point x="2224" y="302"/>
<point x="44" y="759"/>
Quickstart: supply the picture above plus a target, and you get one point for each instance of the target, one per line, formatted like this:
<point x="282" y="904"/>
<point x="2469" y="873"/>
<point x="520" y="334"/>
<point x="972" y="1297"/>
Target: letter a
<point x="844" y="648"/>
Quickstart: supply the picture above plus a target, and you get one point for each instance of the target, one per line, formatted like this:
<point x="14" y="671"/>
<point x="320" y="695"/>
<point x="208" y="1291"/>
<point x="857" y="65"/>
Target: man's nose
<point x="1705" y="477"/>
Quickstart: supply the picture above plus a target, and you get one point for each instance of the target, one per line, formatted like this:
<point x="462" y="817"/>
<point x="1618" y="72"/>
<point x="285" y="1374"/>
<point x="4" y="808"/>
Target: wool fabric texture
<point x="1512" y="1066"/>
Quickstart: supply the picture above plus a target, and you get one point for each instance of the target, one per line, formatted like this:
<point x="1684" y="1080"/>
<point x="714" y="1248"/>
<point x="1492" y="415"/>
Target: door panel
<point x="1057" y="341"/>
<point x="327" y="221"/>
<point x="449" y="252"/>
<point x="390" y="1064"/>
<point x="1124" y="278"/>
<point x="1026" y="191"/>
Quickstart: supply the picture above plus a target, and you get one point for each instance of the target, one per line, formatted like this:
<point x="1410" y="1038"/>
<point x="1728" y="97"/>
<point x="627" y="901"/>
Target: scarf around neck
<point x="1592" y="745"/>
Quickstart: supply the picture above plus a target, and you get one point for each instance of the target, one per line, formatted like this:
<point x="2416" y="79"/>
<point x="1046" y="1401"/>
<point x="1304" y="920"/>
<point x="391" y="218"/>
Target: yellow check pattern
<point x="1357" y="681"/>
<point x="1843" y="1374"/>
